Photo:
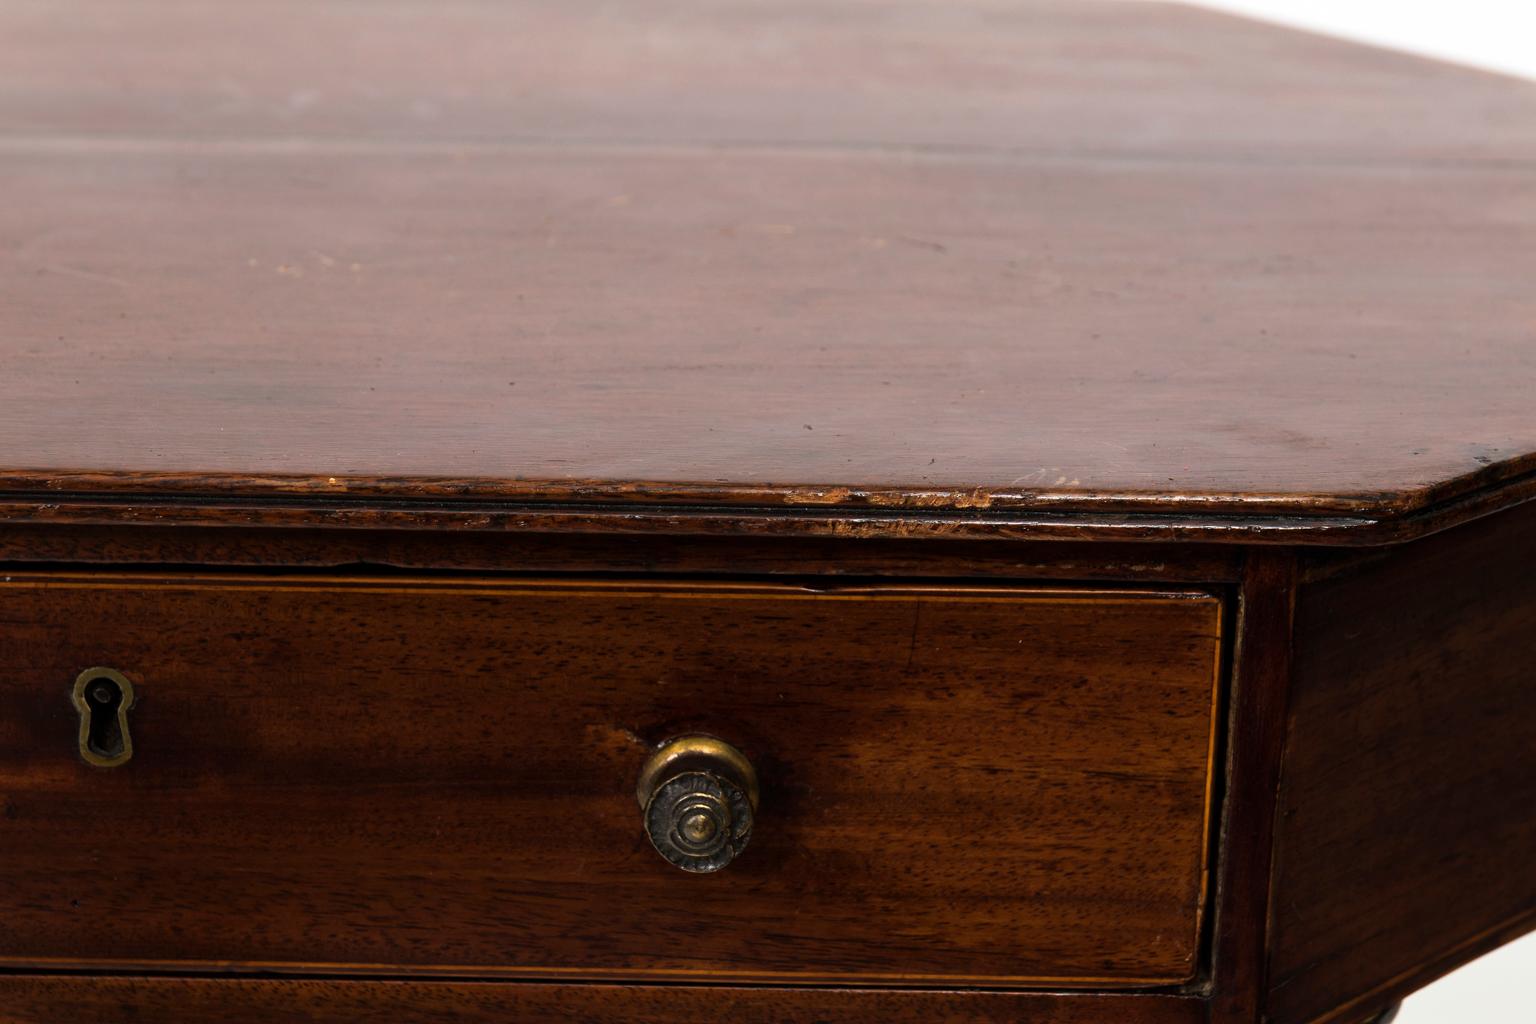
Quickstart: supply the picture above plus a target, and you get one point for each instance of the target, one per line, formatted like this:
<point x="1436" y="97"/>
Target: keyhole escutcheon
<point x="103" y="696"/>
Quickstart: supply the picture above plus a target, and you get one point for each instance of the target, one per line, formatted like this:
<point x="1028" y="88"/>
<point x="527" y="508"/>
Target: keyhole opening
<point x="103" y="697"/>
<point x="105" y="735"/>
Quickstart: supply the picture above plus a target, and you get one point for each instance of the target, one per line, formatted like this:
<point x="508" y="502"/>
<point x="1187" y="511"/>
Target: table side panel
<point x="1407" y="818"/>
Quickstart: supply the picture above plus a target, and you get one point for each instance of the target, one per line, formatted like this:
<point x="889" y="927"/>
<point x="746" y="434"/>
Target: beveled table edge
<point x="576" y="506"/>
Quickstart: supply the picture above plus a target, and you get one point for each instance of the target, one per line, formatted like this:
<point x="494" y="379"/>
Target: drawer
<point x="990" y="786"/>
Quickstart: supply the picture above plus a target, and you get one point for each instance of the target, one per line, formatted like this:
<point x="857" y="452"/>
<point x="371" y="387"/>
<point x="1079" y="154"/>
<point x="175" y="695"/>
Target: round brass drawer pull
<point x="699" y="795"/>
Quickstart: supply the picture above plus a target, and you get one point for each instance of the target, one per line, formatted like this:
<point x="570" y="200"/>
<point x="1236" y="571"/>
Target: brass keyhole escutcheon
<point x="103" y="696"/>
<point x="698" y="796"/>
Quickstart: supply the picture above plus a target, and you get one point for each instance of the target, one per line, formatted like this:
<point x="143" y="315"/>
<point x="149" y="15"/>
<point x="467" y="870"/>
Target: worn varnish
<point x="994" y="786"/>
<point x="1407" y="817"/>
<point x="1038" y="261"/>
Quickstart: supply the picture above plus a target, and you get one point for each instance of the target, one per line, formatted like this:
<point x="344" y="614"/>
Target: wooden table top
<point x="1060" y="263"/>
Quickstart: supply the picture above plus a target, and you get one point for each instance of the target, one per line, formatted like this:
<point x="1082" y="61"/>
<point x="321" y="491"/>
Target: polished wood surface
<point x="1407" y="817"/>
<point x="1080" y="79"/>
<point x="949" y="404"/>
<point x="892" y="268"/>
<point x="995" y="786"/>
<point x="36" y="999"/>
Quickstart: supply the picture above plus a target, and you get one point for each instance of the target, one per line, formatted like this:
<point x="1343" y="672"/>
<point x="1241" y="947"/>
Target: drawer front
<point x="1003" y="786"/>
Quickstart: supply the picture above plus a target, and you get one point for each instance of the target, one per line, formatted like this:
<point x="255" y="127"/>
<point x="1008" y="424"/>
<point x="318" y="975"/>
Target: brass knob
<point x="698" y="794"/>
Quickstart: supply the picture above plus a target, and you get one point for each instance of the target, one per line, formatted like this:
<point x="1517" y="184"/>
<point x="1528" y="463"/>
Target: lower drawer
<point x="994" y="786"/>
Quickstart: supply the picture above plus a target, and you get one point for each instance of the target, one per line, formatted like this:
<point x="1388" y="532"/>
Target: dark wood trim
<point x="1517" y="473"/>
<point x="1261" y="661"/>
<point x="545" y="553"/>
<point x="1362" y="520"/>
<point x="49" y="998"/>
<point x="654" y="520"/>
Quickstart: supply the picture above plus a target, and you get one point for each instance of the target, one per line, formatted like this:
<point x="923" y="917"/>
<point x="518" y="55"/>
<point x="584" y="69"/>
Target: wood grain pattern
<point x="998" y="786"/>
<point x="1055" y="269"/>
<point x="48" y="999"/>
<point x="899" y="290"/>
<point x="1408" y="806"/>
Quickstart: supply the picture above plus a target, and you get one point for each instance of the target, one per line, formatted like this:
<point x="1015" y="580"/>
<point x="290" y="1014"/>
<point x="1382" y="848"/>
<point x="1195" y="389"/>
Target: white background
<point x="1499" y="35"/>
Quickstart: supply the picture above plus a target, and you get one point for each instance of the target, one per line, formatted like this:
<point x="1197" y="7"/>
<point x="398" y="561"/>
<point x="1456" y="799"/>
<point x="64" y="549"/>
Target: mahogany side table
<point x="677" y="510"/>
